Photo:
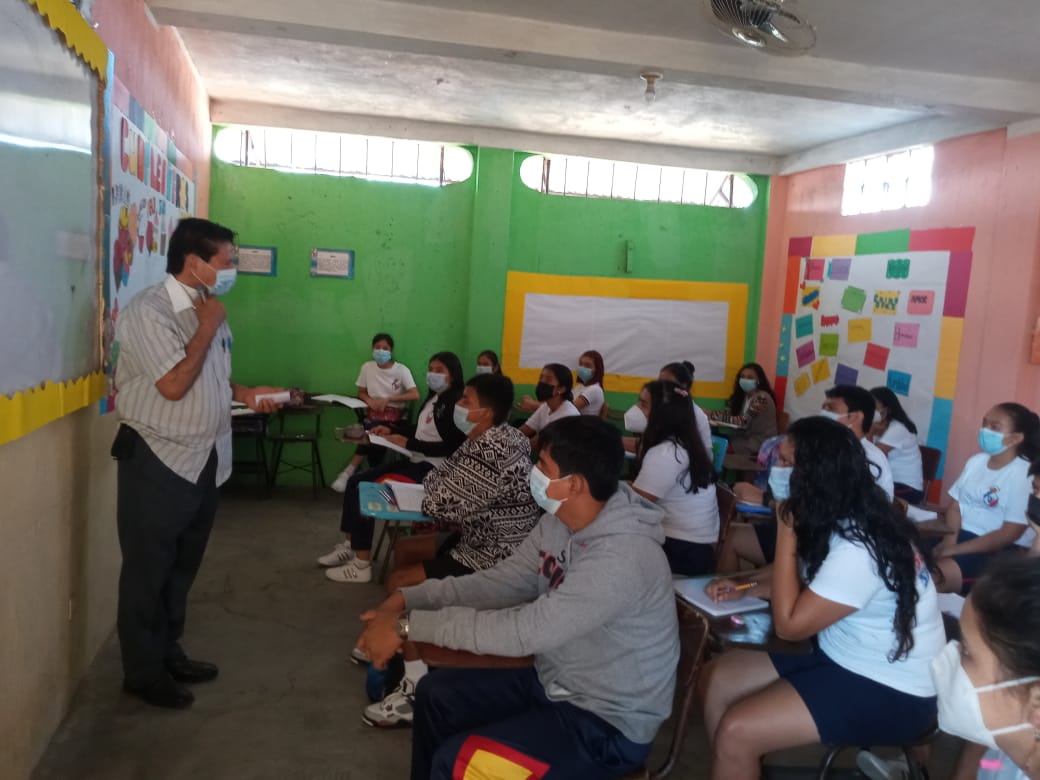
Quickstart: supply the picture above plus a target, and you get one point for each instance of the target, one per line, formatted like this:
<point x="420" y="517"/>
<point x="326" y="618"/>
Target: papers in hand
<point x="919" y="515"/>
<point x="344" y="400"/>
<point x="380" y="441"/>
<point x="408" y="495"/>
<point x="692" y="591"/>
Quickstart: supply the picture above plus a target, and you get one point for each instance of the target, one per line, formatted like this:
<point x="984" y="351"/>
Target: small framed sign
<point x="338" y="263"/>
<point x="258" y="260"/>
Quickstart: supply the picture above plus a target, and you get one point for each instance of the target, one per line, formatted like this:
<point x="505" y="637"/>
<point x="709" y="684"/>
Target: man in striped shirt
<point x="173" y="376"/>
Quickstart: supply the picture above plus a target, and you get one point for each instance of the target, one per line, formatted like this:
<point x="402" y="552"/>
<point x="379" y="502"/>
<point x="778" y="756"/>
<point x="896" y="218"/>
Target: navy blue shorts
<point x="974" y="565"/>
<point x="849" y="709"/>
<point x="691" y="559"/>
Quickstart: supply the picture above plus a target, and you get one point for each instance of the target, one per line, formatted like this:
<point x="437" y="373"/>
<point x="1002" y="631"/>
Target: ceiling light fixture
<point x="651" y="78"/>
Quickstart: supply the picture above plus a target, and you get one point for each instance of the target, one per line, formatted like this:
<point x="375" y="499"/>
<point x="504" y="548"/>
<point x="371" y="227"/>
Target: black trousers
<point x="164" y="524"/>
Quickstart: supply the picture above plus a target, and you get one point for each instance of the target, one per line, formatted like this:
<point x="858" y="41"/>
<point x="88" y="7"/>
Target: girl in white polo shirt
<point x="554" y="394"/>
<point x="588" y="393"/>
<point x="895" y="434"/>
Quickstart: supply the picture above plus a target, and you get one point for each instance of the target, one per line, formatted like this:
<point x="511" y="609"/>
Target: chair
<point x="719" y="445"/>
<point x="833" y="751"/>
<point x="930" y="459"/>
<point x="310" y="437"/>
<point x="252" y="427"/>
<point x="727" y="502"/>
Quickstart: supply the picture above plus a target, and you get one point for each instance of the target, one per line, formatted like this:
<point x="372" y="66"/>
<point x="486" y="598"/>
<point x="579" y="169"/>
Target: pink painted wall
<point x="986" y="181"/>
<point x="153" y="64"/>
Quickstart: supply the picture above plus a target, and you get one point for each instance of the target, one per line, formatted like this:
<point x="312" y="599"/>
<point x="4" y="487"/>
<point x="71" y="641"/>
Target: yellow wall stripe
<point x="63" y="17"/>
<point x="28" y="410"/>
<point x="949" y="356"/>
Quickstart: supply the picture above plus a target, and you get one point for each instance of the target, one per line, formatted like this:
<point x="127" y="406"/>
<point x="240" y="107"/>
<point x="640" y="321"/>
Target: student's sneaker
<point x="395" y="711"/>
<point x="341" y="553"/>
<point x="877" y="768"/>
<point x="340" y="483"/>
<point x="359" y="657"/>
<point x="351" y="572"/>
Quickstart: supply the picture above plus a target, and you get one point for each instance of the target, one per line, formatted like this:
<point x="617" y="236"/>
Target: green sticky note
<point x="803" y="326"/>
<point x="898" y="268"/>
<point x="829" y="344"/>
<point x="853" y="299"/>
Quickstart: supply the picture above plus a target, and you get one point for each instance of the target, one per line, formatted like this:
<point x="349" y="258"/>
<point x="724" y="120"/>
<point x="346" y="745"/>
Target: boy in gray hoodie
<point x="588" y="594"/>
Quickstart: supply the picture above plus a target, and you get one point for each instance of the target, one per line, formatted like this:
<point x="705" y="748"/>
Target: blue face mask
<point x="991" y="442"/>
<point x="780" y="482"/>
<point x="539" y="484"/>
<point x="747" y="385"/>
<point x="584" y="374"/>
<point x="438" y="383"/>
<point x="224" y="282"/>
<point x="381" y="356"/>
<point x="462" y="421"/>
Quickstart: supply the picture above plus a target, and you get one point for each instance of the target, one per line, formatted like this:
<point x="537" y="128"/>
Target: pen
<point x="745" y="586"/>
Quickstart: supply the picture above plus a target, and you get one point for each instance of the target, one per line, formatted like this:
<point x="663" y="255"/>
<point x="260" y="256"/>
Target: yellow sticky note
<point x="821" y="371"/>
<point x="886" y="302"/>
<point x="860" y="330"/>
<point x="802" y="383"/>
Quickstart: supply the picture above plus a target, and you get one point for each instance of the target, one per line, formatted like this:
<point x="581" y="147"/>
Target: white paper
<point x="345" y="400"/>
<point x="242" y="411"/>
<point x="408" y="495"/>
<point x="919" y="515"/>
<point x="278" y="398"/>
<point x="951" y="604"/>
<point x="256" y="260"/>
<point x="381" y="442"/>
<point x="692" y="590"/>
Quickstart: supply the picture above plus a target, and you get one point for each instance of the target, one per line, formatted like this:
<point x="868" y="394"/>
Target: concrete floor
<point x="287" y="703"/>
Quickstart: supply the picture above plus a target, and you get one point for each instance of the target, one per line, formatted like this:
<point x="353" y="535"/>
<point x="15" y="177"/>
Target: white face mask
<point x="832" y="415"/>
<point x="960" y="712"/>
<point x="436" y="382"/>
<point x="462" y="421"/>
<point x="635" y="420"/>
<point x="484" y="369"/>
<point x="780" y="482"/>
<point x="539" y="484"/>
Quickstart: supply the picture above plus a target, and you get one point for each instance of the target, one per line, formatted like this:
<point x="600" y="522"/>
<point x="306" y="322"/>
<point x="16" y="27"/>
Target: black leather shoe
<point x="187" y="671"/>
<point x="164" y="692"/>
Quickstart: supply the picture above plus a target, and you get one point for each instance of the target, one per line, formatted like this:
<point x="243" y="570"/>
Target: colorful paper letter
<point x="906" y="334"/>
<point x="821" y="371"/>
<point x="829" y="344"/>
<point x="860" y="330"/>
<point x="853" y="299"/>
<point x="803" y="326"/>
<point x="899" y="382"/>
<point x="898" y="268"/>
<point x="886" y="301"/>
<point x="811" y="297"/>
<point x="829" y="321"/>
<point x="921" y="302"/>
<point x="806" y="354"/>
<point x="802" y="383"/>
<point x="845" y="375"/>
<point x="814" y="269"/>
<point x="839" y="270"/>
<point x="876" y="357"/>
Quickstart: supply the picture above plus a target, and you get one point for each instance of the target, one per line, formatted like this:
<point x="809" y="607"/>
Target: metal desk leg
<point x="391" y="529"/>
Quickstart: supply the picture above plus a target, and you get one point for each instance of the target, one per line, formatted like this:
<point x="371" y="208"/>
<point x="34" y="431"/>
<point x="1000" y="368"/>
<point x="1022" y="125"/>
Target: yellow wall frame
<point x="519" y="284"/>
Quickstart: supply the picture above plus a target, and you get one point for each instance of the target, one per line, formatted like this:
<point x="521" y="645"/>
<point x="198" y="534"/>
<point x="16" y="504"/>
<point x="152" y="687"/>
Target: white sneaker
<point x="341" y="553"/>
<point x="340" y="483"/>
<point x="877" y="768"/>
<point x="359" y="657"/>
<point x="395" y="710"/>
<point x="350" y="572"/>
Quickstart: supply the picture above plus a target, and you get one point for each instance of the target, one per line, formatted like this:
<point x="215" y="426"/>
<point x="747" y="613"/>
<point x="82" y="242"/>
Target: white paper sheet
<point x="345" y="400"/>
<point x="381" y="442"/>
<point x="408" y="495"/>
<point x="692" y="590"/>
<point x="919" y="515"/>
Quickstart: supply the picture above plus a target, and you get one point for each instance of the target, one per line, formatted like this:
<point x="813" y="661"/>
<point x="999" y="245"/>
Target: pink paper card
<point x="876" y="357"/>
<point x="906" y="334"/>
<point x="814" y="269"/>
<point x="920" y="302"/>
<point x="806" y="354"/>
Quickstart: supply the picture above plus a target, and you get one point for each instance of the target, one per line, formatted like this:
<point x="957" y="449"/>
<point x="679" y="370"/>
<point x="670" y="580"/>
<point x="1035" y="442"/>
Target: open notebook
<point x="692" y="591"/>
<point x="408" y="495"/>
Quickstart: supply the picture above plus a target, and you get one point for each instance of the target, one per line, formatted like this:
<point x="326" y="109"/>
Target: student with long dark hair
<point x="487" y="363"/>
<point x="850" y="573"/>
<point x="682" y="373"/>
<point x="990" y="497"/>
<point x="750" y="413"/>
<point x="554" y="393"/>
<point x="895" y="434"/>
<point x="588" y="394"/>
<point x="674" y="471"/>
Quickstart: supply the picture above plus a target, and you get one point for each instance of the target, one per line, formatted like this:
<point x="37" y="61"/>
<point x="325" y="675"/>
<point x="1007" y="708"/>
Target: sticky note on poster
<point x="899" y="382"/>
<point x="853" y="299"/>
<point x="839" y="270"/>
<point x="886" y="301"/>
<point x="829" y="321"/>
<point x="814" y="269"/>
<point x="802" y="383"/>
<point x="821" y="371"/>
<point x="906" y="334"/>
<point x="829" y="344"/>
<point x="805" y="354"/>
<point x="803" y="326"/>
<point x="860" y="330"/>
<point x="898" y="268"/>
<point x="811" y="297"/>
<point x="845" y="375"/>
<point x="920" y="302"/>
<point x="876" y="357"/>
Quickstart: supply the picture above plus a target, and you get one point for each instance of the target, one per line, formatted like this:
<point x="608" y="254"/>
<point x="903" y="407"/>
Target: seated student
<point x="386" y="387"/>
<point x="554" y="394"/>
<point x="895" y="434"/>
<point x="588" y="594"/>
<point x="675" y="471"/>
<point x="850" y="575"/>
<point x="482" y="494"/>
<point x="682" y="375"/>
<point x="752" y="408"/>
<point x="434" y="439"/>
<point x="990" y="497"/>
<point x="487" y="363"/>
<point x="588" y="394"/>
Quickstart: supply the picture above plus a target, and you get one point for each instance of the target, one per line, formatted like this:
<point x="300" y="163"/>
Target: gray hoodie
<point x="596" y="608"/>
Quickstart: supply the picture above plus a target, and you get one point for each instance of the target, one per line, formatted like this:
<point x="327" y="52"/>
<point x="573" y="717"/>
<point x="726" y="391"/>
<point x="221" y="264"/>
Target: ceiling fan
<point x="771" y="26"/>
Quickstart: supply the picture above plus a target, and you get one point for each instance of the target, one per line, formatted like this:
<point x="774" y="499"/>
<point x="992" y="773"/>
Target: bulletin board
<point x="878" y="309"/>
<point x="638" y="325"/>
<point x="54" y="71"/>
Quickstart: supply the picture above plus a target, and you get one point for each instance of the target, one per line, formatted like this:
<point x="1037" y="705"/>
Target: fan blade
<point x="770" y="29"/>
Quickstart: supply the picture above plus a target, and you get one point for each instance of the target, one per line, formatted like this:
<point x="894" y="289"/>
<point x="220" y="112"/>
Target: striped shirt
<point x="152" y="333"/>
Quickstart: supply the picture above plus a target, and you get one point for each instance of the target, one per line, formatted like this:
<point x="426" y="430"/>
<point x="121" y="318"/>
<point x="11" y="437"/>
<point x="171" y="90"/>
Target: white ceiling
<point x="563" y="76"/>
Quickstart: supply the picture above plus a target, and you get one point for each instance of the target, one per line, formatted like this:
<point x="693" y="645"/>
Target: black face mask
<point x="543" y="391"/>
<point x="1033" y="510"/>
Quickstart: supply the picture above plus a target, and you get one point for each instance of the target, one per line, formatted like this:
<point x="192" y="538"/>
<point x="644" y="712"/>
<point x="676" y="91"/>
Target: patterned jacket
<point x="482" y="491"/>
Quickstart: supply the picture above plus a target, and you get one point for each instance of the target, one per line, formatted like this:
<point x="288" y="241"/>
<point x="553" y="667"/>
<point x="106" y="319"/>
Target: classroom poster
<point x="876" y="310"/>
<point x="150" y="186"/>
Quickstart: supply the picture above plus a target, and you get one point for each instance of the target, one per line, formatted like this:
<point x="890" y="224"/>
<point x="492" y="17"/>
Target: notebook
<point x="408" y="495"/>
<point x="691" y="590"/>
<point x="381" y="442"/>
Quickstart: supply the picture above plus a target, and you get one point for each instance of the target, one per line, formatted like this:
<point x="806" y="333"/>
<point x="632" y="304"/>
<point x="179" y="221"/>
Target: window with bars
<point x="336" y="154"/>
<point x="888" y="182"/>
<point x="592" y="178"/>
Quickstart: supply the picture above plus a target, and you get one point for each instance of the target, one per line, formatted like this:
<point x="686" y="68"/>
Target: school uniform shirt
<point x="905" y="455"/>
<point x="703" y="427"/>
<point x="543" y="416"/>
<point x="690" y="517"/>
<point x="863" y="641"/>
<point x="989" y="498"/>
<point x="386" y="382"/>
<point x="879" y="467"/>
<point x="593" y="395"/>
<point x="427" y="431"/>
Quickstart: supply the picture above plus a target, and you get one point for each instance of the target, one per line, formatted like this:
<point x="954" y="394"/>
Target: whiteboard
<point x="49" y="101"/>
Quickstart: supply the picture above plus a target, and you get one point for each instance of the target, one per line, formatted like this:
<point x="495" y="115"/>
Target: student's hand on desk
<point x="396" y="438"/>
<point x="380" y="639"/>
<point x="724" y="589"/>
<point x="266" y="405"/>
<point x="381" y="430"/>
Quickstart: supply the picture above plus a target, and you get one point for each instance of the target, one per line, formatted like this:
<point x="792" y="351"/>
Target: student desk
<point x="756" y="633"/>
<point x="374" y="503"/>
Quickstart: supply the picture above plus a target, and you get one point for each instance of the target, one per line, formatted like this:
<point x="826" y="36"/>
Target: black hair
<point x="896" y="412"/>
<point x="1007" y="603"/>
<point x="1034" y="468"/>
<point x="671" y="419"/>
<point x="597" y="366"/>
<point x="564" y="378"/>
<point x="454" y="365"/>
<point x="738" y="396"/>
<point x="383" y="337"/>
<point x="1026" y="422"/>
<point x="496" y="367"/>
<point x="495" y="392"/>
<point x="195" y="236"/>
<point x="682" y="372"/>
<point x="833" y="492"/>
<point x="587" y="446"/>
<point x="857" y="399"/>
